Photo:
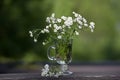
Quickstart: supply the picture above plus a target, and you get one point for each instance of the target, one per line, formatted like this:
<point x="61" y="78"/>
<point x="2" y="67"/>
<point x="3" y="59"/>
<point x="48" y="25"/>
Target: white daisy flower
<point x="77" y="33"/>
<point x="46" y="30"/>
<point x="31" y="34"/>
<point x="55" y="26"/>
<point x="47" y="27"/>
<point x="45" y="71"/>
<point x="46" y="66"/>
<point x="59" y="27"/>
<point x="92" y="30"/>
<point x="85" y="25"/>
<point x="92" y="24"/>
<point x="79" y="27"/>
<point x="43" y="43"/>
<point x="74" y="20"/>
<point x="50" y="25"/>
<point x="84" y="20"/>
<point x="63" y="32"/>
<point x="68" y="21"/>
<point x="63" y="17"/>
<point x="59" y="20"/>
<point x="59" y="37"/>
<point x="75" y="14"/>
<point x="35" y="40"/>
<point x="53" y="15"/>
<point x="79" y="22"/>
<point x="80" y="17"/>
<point x="48" y="19"/>
<point x="63" y="26"/>
<point x="42" y="31"/>
<point x="55" y="30"/>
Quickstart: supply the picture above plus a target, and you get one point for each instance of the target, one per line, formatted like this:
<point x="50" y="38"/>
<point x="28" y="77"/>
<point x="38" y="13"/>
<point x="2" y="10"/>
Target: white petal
<point x="63" y="26"/>
<point x="50" y="25"/>
<point x="53" y="15"/>
<point x="48" y="19"/>
<point x="35" y="40"/>
<point x="59" y="37"/>
<point x="31" y="34"/>
<point x="77" y="33"/>
<point x="92" y="30"/>
<point x="46" y="66"/>
<point x="85" y="25"/>
<point x="55" y="26"/>
<point x="80" y="22"/>
<point x="44" y="43"/>
<point x="84" y="20"/>
<point x="92" y="23"/>
<point x="47" y="27"/>
<point x="68" y="21"/>
<point x="80" y="17"/>
<point x="75" y="14"/>
<point x="79" y="27"/>
<point x="55" y="30"/>
<point x="46" y="30"/>
<point x="63" y="32"/>
<point x="63" y="17"/>
<point x="42" y="31"/>
<point x="59" y="20"/>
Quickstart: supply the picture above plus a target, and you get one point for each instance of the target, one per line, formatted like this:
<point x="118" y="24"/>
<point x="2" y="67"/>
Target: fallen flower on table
<point x="52" y="71"/>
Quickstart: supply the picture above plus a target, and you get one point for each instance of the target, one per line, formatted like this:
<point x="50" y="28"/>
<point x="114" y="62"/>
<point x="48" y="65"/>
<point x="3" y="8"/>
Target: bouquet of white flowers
<point x="63" y="28"/>
<point x="60" y="32"/>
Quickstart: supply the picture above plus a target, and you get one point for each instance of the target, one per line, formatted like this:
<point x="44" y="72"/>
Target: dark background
<point x="17" y="17"/>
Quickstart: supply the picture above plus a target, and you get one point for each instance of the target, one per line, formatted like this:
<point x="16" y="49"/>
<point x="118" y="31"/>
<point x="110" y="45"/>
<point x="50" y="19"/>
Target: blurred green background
<point x="17" y="17"/>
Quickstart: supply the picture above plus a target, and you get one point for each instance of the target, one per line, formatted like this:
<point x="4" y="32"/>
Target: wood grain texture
<point x="80" y="73"/>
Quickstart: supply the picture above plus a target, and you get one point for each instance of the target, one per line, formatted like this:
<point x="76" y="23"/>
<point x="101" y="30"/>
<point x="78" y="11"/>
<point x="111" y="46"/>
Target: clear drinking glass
<point x="61" y="52"/>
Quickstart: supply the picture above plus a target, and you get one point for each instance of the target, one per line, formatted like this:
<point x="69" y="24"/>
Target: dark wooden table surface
<point x="81" y="72"/>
